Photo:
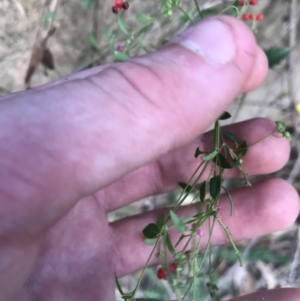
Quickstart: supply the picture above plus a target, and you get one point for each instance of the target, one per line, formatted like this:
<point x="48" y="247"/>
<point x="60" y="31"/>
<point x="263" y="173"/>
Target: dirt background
<point x="21" y="33"/>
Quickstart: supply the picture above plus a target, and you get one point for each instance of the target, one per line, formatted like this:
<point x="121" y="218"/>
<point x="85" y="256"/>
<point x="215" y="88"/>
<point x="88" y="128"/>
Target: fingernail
<point x="211" y="39"/>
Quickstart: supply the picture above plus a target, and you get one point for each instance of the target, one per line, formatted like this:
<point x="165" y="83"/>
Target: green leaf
<point x="151" y="231"/>
<point x="221" y="161"/>
<point x="198" y="152"/>
<point x="210" y="156"/>
<point x="236" y="140"/>
<point x="144" y="18"/>
<point x="121" y="56"/>
<point x="215" y="186"/>
<point x="160" y="221"/>
<point x="123" y="25"/>
<point x="276" y="55"/>
<point x="209" y="12"/>
<point x="189" y="220"/>
<point x="169" y="244"/>
<point x="287" y="135"/>
<point x="178" y="223"/>
<point x="164" y="42"/>
<point x="224" y="116"/>
<point x="93" y="41"/>
<point x="280" y="126"/>
<point x="243" y="148"/>
<point x="187" y="188"/>
<point x="203" y="192"/>
<point x="235" y="3"/>
<point x="150" y="241"/>
<point x="86" y="4"/>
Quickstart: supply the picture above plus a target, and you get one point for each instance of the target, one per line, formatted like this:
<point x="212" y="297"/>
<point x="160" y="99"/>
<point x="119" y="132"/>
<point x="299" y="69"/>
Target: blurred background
<point x="45" y="40"/>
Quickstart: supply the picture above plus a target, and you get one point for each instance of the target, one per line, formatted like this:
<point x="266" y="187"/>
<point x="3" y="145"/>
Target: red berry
<point x="253" y="2"/>
<point x="173" y="267"/>
<point x="118" y="3"/>
<point x="114" y="10"/>
<point x="241" y="3"/>
<point x="161" y="274"/>
<point x="259" y="17"/>
<point x="125" y="5"/>
<point x="246" y="17"/>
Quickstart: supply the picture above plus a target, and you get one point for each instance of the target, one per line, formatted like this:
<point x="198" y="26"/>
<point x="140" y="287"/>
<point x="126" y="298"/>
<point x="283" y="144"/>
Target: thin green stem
<point x="198" y="9"/>
<point x="185" y="13"/>
<point x="145" y="267"/>
<point x="231" y="240"/>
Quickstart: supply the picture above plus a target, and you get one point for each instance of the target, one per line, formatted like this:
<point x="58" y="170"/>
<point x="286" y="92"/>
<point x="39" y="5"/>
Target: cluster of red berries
<point x="247" y="17"/>
<point x="119" y="4"/>
<point x="251" y="2"/>
<point x="258" y="17"/>
<point x="162" y="274"/>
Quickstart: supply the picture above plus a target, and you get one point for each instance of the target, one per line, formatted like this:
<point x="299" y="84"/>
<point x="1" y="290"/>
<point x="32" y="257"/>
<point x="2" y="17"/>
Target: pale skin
<point x="74" y="150"/>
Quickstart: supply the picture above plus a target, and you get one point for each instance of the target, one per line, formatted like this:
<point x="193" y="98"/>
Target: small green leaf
<point x="151" y="231"/>
<point x="150" y="241"/>
<point x="235" y="3"/>
<point x="160" y="221"/>
<point x="189" y="220"/>
<point x="243" y="148"/>
<point x="209" y="12"/>
<point x="203" y="192"/>
<point x="86" y="4"/>
<point x="215" y="186"/>
<point x="276" y="55"/>
<point x="144" y="18"/>
<point x="210" y="156"/>
<point x="123" y="25"/>
<point x="178" y="223"/>
<point x="280" y="126"/>
<point x="169" y="244"/>
<point x="93" y="41"/>
<point x="287" y="135"/>
<point x="221" y="161"/>
<point x="200" y="275"/>
<point x="187" y="188"/>
<point x="236" y="140"/>
<point x="224" y="116"/>
<point x="121" y="56"/>
<point x="198" y="152"/>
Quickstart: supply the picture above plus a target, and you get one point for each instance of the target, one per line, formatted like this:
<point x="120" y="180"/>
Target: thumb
<point x="69" y="140"/>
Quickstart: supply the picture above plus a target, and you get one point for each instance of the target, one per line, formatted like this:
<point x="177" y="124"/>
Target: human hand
<point x="74" y="150"/>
